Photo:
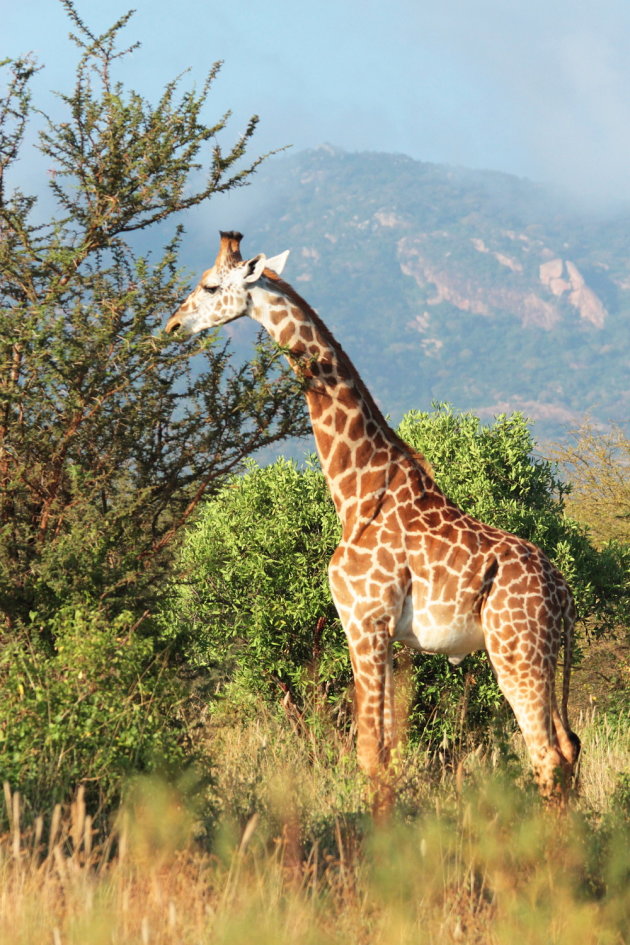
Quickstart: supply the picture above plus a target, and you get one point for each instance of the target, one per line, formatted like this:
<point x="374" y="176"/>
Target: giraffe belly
<point x="439" y="628"/>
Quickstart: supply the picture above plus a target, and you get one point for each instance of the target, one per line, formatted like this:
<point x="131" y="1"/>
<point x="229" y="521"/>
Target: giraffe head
<point x="224" y="292"/>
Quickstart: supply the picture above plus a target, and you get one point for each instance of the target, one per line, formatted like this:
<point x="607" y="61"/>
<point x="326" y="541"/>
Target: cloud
<point x="557" y="80"/>
<point x="539" y="88"/>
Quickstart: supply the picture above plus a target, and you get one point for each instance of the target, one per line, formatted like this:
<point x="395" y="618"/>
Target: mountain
<point x="445" y="284"/>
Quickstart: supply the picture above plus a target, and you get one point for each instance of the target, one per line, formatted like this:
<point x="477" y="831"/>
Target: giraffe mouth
<point x="173" y="324"/>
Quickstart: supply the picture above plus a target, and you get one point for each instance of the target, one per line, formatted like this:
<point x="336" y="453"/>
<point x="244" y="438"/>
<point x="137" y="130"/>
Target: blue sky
<point x="538" y="88"/>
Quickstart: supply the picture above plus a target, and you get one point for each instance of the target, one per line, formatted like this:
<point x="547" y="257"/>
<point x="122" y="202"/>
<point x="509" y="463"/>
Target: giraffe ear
<point x="254" y="267"/>
<point x="277" y="263"/>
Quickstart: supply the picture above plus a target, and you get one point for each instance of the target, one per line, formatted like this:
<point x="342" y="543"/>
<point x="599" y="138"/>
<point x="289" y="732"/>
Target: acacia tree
<point x="597" y="464"/>
<point x="107" y="438"/>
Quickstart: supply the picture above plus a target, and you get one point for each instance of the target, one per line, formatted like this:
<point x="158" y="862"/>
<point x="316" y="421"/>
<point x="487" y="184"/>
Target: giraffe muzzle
<point x="173" y="324"/>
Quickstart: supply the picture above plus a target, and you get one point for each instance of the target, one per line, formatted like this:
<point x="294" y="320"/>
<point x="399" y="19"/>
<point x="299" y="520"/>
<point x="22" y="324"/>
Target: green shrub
<point x="256" y="586"/>
<point x="101" y="707"/>
<point x="254" y="611"/>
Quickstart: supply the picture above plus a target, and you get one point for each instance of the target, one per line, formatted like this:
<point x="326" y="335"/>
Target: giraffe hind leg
<point x="528" y="685"/>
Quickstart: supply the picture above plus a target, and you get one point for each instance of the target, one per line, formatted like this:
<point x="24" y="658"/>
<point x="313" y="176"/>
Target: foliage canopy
<point x="598" y="466"/>
<point x="108" y="437"/>
<point x="256" y="567"/>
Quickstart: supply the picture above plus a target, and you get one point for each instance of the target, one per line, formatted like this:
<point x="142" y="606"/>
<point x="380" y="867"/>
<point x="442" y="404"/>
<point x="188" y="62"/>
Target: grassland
<point x="291" y="855"/>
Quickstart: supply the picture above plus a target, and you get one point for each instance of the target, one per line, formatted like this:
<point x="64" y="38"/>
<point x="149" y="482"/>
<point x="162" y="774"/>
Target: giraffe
<point x="410" y="566"/>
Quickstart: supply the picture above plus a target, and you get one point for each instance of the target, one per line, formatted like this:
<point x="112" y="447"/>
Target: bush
<point x="102" y="706"/>
<point x="108" y="436"/>
<point x="255" y="612"/>
<point x="256" y="565"/>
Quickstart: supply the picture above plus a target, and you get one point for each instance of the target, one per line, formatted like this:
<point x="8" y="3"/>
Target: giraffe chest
<point x="438" y="627"/>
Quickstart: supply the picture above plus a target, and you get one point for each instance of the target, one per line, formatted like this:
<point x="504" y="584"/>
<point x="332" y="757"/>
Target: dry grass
<point x="295" y="859"/>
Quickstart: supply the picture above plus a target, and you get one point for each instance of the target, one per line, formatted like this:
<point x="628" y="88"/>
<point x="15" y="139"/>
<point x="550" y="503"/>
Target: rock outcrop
<point x="449" y="278"/>
<point x="563" y="278"/>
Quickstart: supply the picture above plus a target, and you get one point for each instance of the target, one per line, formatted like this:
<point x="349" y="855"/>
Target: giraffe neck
<point x="359" y="452"/>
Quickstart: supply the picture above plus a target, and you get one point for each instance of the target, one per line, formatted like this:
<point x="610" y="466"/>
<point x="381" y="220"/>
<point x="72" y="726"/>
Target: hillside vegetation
<point x="445" y="284"/>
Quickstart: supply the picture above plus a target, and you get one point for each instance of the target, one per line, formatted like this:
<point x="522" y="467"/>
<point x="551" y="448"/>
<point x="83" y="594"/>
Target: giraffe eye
<point x="211" y="288"/>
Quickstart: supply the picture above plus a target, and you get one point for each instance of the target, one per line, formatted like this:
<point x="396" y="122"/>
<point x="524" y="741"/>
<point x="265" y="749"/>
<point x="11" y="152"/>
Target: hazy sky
<point x="538" y="88"/>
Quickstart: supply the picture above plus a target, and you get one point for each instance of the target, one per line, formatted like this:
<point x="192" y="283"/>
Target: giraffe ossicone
<point x="410" y="565"/>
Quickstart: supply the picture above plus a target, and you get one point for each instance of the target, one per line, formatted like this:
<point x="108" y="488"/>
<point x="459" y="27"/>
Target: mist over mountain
<point x="445" y="284"/>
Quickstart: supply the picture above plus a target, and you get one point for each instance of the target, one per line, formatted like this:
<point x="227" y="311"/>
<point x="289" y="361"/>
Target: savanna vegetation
<point x="176" y="740"/>
<point x="108" y="438"/>
<point x="254" y="611"/>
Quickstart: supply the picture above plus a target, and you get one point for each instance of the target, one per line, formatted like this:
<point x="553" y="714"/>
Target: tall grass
<point x="293" y="857"/>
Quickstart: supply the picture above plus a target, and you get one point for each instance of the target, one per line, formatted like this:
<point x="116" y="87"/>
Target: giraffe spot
<point x="470" y="540"/>
<point x="356" y="427"/>
<point x="324" y="443"/>
<point x="403" y="494"/>
<point x="519" y="587"/>
<point x="347" y="397"/>
<point x="439" y="549"/>
<point x="380" y="458"/>
<point x="339" y="459"/>
<point x="385" y="559"/>
<point x="432" y="520"/>
<point x="285" y="337"/>
<point x="410" y="519"/>
<point x="451" y="532"/>
<point x="363" y="454"/>
<point x="341" y="418"/>
<point x="372" y="481"/>
<point x="346" y="483"/>
<point x="440" y="575"/>
<point x="363" y="647"/>
<point x="510" y="572"/>
<point x="389" y="536"/>
<point x="277" y="316"/>
<point x="356" y="559"/>
<point x="499" y="596"/>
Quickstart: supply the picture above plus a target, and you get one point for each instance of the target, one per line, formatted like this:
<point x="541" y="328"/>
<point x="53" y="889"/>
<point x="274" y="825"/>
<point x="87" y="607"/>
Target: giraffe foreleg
<point x="371" y="667"/>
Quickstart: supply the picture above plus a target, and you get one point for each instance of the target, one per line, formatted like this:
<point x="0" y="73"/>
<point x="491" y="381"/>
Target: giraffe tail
<point x="569" y="616"/>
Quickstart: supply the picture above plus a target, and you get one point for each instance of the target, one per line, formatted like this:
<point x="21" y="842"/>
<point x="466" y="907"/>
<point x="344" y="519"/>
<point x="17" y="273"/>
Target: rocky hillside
<point x="476" y="288"/>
